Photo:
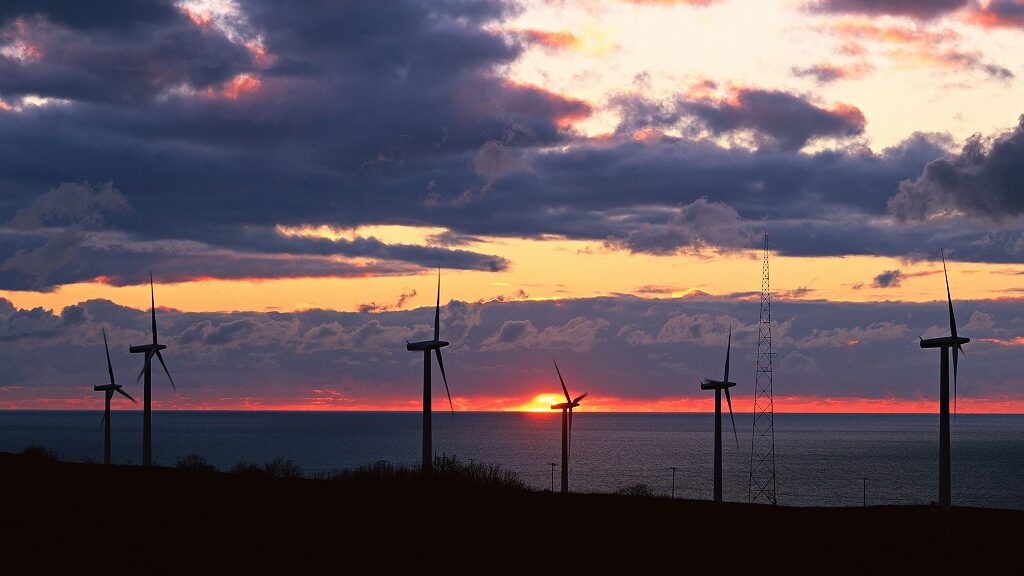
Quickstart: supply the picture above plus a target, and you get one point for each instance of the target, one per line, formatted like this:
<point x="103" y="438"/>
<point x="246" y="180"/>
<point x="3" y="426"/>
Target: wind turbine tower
<point x="150" y="350"/>
<point x="109" y="389"/>
<point x="427" y="346"/>
<point x="566" y="408"/>
<point x="944" y="344"/>
<point x="720" y="386"/>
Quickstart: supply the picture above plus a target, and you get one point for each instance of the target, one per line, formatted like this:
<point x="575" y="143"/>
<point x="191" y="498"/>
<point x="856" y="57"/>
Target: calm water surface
<point x="821" y="459"/>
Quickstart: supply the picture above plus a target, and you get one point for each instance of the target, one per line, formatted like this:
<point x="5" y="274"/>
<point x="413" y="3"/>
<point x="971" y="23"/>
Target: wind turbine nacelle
<point x="146" y="348"/>
<point x="564" y="405"/>
<point x="715" y="385"/>
<point x="425" y="345"/>
<point x="106" y="387"/>
<point x="944" y="342"/>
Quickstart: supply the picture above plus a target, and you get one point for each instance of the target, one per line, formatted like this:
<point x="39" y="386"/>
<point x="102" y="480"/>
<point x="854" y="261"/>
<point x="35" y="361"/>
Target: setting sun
<point x="540" y="403"/>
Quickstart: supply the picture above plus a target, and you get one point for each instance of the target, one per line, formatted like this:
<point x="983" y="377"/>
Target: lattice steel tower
<point x="762" y="439"/>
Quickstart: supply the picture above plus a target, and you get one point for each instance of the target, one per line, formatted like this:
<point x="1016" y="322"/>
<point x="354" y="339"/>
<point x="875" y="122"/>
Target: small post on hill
<point x="673" y="493"/>
<point x="864" y="502"/>
<point x="552" y="476"/>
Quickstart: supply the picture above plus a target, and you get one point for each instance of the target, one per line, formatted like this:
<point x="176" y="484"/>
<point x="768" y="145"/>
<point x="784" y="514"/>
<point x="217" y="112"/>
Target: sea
<point x="820" y="459"/>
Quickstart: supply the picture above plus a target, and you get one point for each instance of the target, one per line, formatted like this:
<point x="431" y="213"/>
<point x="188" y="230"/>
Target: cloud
<point x="916" y="46"/>
<point x="673" y="2"/>
<point x="560" y="39"/>
<point x="888" y="279"/>
<point x="777" y="118"/>
<point x="578" y="334"/>
<point x="71" y="203"/>
<point x="698" y="226"/>
<point x="982" y="181"/>
<point x="374" y="307"/>
<point x="282" y="358"/>
<point x="999" y="14"/>
<point x="839" y="337"/>
<point x="827" y="72"/>
<point x="61" y="237"/>
<point x="919" y="9"/>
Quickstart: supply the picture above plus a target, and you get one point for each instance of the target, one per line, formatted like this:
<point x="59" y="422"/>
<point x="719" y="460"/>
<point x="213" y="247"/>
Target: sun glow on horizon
<point x="539" y="403"/>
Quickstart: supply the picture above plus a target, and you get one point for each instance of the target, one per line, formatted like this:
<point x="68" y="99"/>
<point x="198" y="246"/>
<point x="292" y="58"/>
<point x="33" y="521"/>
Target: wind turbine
<point x="109" y="389"/>
<point x="566" y="409"/>
<point x="944" y="344"/>
<point x="147" y="370"/>
<point x="718" y="386"/>
<point x="426" y="346"/>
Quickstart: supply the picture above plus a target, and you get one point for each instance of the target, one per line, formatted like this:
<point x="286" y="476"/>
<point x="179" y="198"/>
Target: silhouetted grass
<point x="448" y="470"/>
<point x="277" y="468"/>
<point x="195" y="463"/>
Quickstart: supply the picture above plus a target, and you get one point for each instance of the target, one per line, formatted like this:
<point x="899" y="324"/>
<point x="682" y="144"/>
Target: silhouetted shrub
<point x="281" y="468"/>
<point x="195" y="463"/>
<point x="248" y="469"/>
<point x="642" y="490"/>
<point x="40" y="454"/>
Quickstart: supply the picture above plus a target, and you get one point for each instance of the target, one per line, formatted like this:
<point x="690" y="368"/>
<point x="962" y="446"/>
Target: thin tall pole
<point x="106" y="430"/>
<point x="718" y="444"/>
<point x="945" y="496"/>
<point x="565" y="451"/>
<point x="673" y="493"/>
<point x="147" y="414"/>
<point x="427" y="449"/>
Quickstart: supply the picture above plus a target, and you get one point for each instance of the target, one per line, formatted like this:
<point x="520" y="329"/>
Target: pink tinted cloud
<point x="999" y="14"/>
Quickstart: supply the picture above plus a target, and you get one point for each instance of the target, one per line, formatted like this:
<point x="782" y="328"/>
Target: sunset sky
<point x="593" y="177"/>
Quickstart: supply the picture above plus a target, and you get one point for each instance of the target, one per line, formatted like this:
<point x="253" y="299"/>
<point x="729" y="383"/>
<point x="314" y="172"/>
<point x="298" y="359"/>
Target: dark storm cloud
<point x="779" y="118"/>
<point x="621" y="347"/>
<point x="776" y="119"/>
<point x="60" y="238"/>
<point x="982" y="181"/>
<point x="125" y="66"/>
<point x="109" y="14"/>
<point x="696" y="226"/>
<point x="923" y="9"/>
<point x="397" y="113"/>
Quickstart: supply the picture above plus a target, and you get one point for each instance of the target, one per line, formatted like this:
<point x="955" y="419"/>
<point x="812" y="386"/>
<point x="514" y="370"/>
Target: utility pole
<point x="552" y="476"/>
<point x="673" y="482"/>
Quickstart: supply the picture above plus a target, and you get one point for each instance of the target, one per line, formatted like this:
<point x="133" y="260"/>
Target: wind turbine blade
<point x="161" y="359"/>
<point x="580" y="397"/>
<point x="152" y="305"/>
<point x="103" y="419"/>
<point x="564" y="389"/>
<point x="437" y="309"/>
<point x="952" y="319"/>
<point x="110" y="367"/>
<point x="733" y="418"/>
<point x="125" y="394"/>
<point x="728" y="351"/>
<point x="440" y="363"/>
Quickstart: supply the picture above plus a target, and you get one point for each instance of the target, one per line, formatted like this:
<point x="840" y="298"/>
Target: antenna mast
<point x="761" y="487"/>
